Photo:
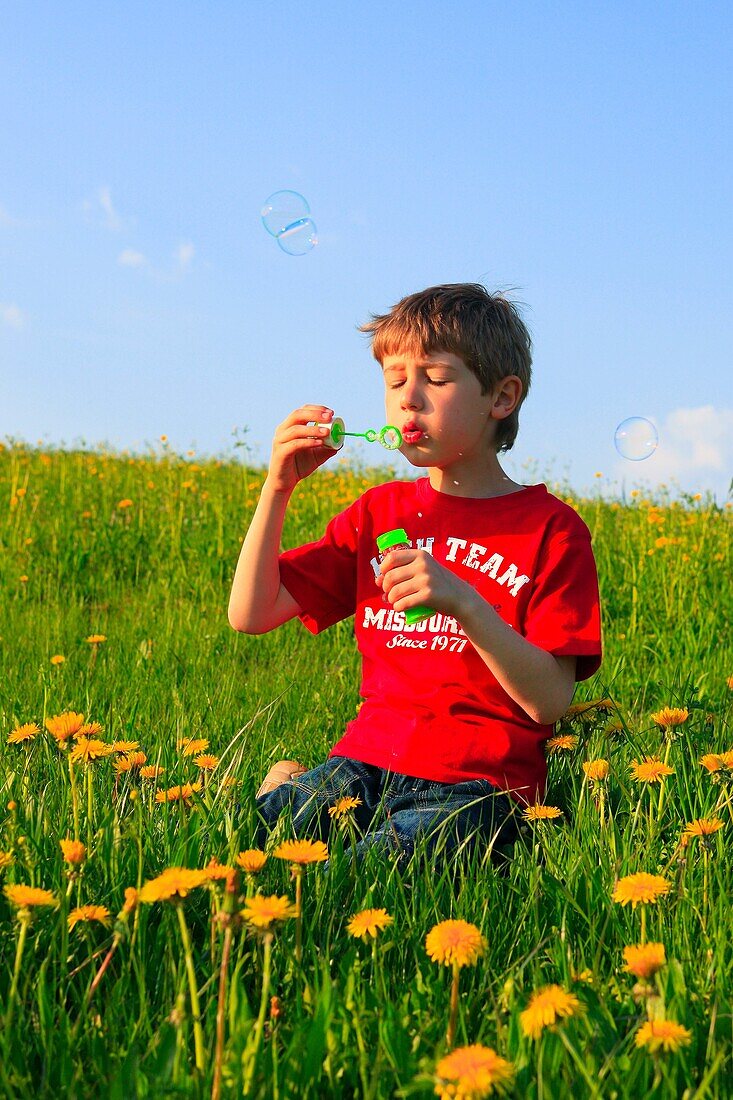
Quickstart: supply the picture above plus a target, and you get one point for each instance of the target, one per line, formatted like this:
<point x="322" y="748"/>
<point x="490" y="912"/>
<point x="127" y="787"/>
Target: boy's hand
<point x="413" y="578"/>
<point x="297" y="449"/>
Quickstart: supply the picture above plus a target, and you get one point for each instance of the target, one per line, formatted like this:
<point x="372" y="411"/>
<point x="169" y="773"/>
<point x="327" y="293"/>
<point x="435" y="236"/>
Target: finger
<point x="308" y="413"/>
<point x="299" y="431"/>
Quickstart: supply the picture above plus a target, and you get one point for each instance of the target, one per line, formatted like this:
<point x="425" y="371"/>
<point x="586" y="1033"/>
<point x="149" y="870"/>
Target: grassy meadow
<point x="114" y="580"/>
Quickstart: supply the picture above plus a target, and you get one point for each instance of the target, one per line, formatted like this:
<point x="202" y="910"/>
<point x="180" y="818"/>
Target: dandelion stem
<point x="198" y="1035"/>
<point x="90" y="804"/>
<point x="451" y="1033"/>
<point x="257" y="1036"/>
<point x="25" y="919"/>
<point x="74" y="798"/>
<point x="298" y="913"/>
<point x="221" y="1011"/>
<point x="643" y="924"/>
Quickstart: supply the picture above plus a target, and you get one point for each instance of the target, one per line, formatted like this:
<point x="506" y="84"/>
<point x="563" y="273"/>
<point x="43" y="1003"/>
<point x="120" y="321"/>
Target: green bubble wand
<point x="389" y="436"/>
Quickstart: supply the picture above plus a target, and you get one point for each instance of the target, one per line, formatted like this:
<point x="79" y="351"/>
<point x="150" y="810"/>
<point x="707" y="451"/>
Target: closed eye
<point x="431" y="381"/>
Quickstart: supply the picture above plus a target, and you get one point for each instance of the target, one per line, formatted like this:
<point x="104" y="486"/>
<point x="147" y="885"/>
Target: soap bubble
<point x="390" y="437"/>
<point x="283" y="208"/>
<point x="636" y="438"/>
<point x="285" y="216"/>
<point x="299" y="237"/>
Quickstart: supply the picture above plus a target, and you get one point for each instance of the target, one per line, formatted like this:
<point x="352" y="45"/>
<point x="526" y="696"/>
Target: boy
<point x="450" y="735"/>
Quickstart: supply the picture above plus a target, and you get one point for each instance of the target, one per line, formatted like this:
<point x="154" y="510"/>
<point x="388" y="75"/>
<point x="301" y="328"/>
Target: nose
<point x="410" y="397"/>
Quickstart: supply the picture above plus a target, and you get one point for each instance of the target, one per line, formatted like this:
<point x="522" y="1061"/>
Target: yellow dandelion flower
<point x="596" y="770"/>
<point x="125" y="746"/>
<point x="564" y="742"/>
<point x="96" y="639"/>
<point x="547" y="1006"/>
<point x="302" y="852"/>
<point x="662" y="1034"/>
<point x="650" y="770"/>
<point x="63" y="726"/>
<point x="641" y="889"/>
<point x="712" y="761"/>
<point x="88" y="749"/>
<point x="219" y="871"/>
<point x="645" y="959"/>
<point x="172" y="884"/>
<point x="73" y="850"/>
<point x="729" y="682"/>
<point x="206" y="761"/>
<point x="703" y="827"/>
<point x="57" y="659"/>
<point x="726" y="758"/>
<point x="89" y="729"/>
<point x="262" y="911"/>
<point x="131" y="900"/>
<point x="28" y="897"/>
<point x="151" y="771"/>
<point x="471" y="1073"/>
<point x="6" y="858"/>
<point x="122" y="765"/>
<point x="193" y="746"/>
<point x="178" y="794"/>
<point x="538" y="812"/>
<point x="86" y="913"/>
<point x="126" y="503"/>
<point x="668" y="717"/>
<point x="26" y="732"/>
<point x="343" y="807"/>
<point x="455" y="941"/>
<point x="252" y="860"/>
<point x="368" y="923"/>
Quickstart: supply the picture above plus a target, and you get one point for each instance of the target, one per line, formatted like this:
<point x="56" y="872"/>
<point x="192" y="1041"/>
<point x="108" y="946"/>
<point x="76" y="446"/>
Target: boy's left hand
<point x="413" y="578"/>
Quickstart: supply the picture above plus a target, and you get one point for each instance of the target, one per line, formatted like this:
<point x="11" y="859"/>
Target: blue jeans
<point x="396" y="811"/>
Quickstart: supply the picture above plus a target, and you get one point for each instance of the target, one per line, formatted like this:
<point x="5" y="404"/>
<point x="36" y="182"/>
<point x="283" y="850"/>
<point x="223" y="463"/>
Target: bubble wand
<point x="389" y="436"/>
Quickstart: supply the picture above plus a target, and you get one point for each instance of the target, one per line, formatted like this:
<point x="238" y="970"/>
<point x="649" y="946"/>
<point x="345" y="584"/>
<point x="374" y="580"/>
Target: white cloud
<point x="113" y="220"/>
<point x="129" y="257"/>
<point x="102" y="205"/>
<point x="11" y="315"/>
<point x="695" y="450"/>
<point x="184" y="255"/>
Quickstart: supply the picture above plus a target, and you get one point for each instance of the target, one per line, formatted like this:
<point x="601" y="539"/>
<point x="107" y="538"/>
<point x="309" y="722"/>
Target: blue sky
<point x="579" y="153"/>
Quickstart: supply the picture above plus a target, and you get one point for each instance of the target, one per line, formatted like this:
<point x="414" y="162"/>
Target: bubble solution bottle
<point x="398" y="540"/>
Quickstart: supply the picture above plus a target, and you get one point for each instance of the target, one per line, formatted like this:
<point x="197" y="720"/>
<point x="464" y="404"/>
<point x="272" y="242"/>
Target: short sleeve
<point x="563" y="613"/>
<point x="321" y="576"/>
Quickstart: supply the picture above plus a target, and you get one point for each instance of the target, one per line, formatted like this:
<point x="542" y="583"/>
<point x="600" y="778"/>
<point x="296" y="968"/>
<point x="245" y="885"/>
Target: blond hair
<point x="484" y="329"/>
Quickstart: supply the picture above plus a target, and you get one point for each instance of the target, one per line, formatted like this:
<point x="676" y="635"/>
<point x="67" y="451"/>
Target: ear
<point x="506" y="396"/>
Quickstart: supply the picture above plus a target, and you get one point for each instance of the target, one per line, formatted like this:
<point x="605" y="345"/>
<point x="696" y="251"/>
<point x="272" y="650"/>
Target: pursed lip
<point x="411" y="432"/>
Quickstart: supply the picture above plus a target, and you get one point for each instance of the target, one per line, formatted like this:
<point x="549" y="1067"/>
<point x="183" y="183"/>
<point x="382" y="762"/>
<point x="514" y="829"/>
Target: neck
<point x="489" y="482"/>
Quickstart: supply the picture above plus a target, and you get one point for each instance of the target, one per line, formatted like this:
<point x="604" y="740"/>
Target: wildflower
<point x="125" y="746"/>
<point x="193" y="746"/>
<point x="96" y="639"/>
<point x="539" y="812"/>
<point x="645" y="959"/>
<point x="251" y="861"/>
<point x="86" y="913"/>
<point x="650" y="770"/>
<point x="57" y="659"/>
<point x="546" y="1006"/>
<point x="563" y="742"/>
<point x="711" y="761"/>
<point x="470" y="1073"/>
<point x="640" y="889"/>
<point x="261" y="911"/>
<point x="172" y="884"/>
<point x="6" y="858"/>
<point x="23" y="733"/>
<point x="368" y="923"/>
<point x="206" y="761"/>
<point x="178" y="794"/>
<point x="596" y="770"/>
<point x="131" y="900"/>
<point x="88" y="749"/>
<point x="704" y="827"/>
<point x="343" y="807"/>
<point x="668" y="717"/>
<point x="217" y="871"/>
<point x="302" y="852"/>
<point x="664" y="1034"/>
<point x="63" y="726"/>
<point x="151" y="771"/>
<point x="89" y="729"/>
<point x="455" y="941"/>
<point x="126" y="503"/>
<point x="27" y="897"/>
<point x="73" y="850"/>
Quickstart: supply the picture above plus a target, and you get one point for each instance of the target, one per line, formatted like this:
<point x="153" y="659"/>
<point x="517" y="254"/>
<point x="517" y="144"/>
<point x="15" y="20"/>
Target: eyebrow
<point x="421" y="366"/>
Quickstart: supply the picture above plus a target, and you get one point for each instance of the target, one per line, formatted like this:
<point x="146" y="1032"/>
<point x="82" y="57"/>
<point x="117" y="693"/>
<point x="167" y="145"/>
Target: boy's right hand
<point x="298" y="448"/>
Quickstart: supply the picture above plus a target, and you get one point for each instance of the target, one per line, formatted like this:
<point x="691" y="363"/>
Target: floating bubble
<point x="299" y="237"/>
<point x="636" y="438"/>
<point x="282" y="209"/>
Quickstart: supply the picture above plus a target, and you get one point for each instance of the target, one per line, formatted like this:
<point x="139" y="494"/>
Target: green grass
<point x="154" y="578"/>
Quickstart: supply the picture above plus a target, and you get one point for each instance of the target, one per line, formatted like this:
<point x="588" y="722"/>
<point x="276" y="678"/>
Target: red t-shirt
<point x="431" y="707"/>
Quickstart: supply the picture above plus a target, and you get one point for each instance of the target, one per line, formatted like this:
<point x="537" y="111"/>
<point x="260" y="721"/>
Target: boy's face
<point x="437" y="403"/>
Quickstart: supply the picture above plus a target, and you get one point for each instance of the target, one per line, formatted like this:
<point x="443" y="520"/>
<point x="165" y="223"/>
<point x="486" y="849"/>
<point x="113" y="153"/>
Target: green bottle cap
<point x="391" y="538"/>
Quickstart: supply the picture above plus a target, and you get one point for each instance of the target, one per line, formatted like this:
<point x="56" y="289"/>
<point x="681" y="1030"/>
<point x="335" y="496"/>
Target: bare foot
<point x="282" y="772"/>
